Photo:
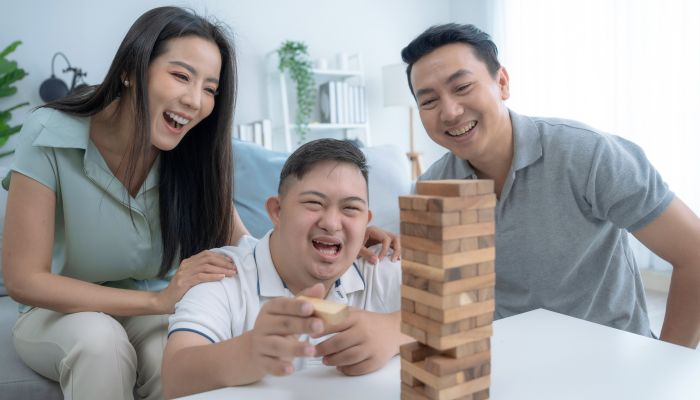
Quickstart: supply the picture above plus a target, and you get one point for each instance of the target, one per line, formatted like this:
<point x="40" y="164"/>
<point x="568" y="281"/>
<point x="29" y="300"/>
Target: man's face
<point x="323" y="218"/>
<point x="460" y="104"/>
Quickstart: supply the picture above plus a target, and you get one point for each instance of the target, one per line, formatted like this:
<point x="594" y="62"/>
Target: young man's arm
<point x="675" y="236"/>
<point x="192" y="364"/>
<point x="366" y="342"/>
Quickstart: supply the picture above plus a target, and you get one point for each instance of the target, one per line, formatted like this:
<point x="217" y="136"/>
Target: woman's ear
<point x="273" y="205"/>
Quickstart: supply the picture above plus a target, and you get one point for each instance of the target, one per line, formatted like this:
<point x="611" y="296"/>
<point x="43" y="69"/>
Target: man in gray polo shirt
<point x="567" y="194"/>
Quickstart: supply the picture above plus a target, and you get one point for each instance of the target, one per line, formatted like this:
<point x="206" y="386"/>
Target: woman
<point x="110" y="190"/>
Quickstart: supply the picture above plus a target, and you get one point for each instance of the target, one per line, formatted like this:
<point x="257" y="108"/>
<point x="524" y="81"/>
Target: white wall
<point x="89" y="32"/>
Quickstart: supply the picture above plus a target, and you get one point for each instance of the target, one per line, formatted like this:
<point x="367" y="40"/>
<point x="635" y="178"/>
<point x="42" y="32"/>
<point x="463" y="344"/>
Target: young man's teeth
<point x="463" y="130"/>
<point x="331" y="252"/>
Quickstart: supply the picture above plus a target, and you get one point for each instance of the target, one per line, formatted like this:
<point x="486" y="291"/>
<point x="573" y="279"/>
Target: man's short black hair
<point x="306" y="157"/>
<point x="436" y="36"/>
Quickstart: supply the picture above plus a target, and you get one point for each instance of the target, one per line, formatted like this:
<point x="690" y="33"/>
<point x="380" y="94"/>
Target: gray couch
<point x="256" y="178"/>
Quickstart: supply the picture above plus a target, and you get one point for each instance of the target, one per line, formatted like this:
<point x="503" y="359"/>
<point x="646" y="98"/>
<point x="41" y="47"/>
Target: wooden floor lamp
<point x="397" y="93"/>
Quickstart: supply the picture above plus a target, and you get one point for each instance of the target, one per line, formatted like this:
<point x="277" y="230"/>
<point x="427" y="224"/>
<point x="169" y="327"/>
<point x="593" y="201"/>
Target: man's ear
<point x="503" y="81"/>
<point x="369" y="216"/>
<point x="273" y="205"/>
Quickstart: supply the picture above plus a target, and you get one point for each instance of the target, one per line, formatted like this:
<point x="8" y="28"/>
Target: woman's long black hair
<point x="196" y="177"/>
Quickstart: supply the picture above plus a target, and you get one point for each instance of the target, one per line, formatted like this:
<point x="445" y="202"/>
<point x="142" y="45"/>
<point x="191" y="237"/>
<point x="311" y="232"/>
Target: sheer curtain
<point x="628" y="67"/>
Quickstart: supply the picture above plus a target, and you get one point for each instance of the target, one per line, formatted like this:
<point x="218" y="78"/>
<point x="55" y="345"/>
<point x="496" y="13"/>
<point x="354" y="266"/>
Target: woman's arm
<point x="237" y="229"/>
<point x="27" y="250"/>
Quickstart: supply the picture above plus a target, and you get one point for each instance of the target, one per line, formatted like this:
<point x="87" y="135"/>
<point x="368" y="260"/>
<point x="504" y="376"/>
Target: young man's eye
<point x="427" y="103"/>
<point x="463" y="87"/>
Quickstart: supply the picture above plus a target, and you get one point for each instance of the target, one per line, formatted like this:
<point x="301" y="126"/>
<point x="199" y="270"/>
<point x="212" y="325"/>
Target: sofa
<point x="255" y="179"/>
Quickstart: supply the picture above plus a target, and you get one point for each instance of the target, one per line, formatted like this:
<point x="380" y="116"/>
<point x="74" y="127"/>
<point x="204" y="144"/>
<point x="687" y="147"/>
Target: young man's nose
<point x="331" y="221"/>
<point x="450" y="109"/>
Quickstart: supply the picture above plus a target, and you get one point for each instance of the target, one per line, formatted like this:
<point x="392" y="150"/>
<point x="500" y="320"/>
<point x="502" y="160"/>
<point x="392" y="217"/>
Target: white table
<point x="537" y="355"/>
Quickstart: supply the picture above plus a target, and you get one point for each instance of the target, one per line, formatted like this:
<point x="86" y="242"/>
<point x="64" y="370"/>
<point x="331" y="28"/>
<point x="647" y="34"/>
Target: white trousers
<point x="94" y="355"/>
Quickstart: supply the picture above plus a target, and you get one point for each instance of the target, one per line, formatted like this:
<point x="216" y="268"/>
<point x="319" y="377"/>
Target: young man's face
<point x="323" y="218"/>
<point x="460" y="104"/>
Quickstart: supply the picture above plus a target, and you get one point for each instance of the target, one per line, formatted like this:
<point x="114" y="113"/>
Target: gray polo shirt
<point x="561" y="222"/>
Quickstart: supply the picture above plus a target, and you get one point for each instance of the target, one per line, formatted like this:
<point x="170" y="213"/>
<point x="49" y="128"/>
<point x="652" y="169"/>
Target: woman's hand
<point x="207" y="266"/>
<point x="374" y="235"/>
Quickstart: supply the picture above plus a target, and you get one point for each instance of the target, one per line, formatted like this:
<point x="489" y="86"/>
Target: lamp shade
<point x="396" y="91"/>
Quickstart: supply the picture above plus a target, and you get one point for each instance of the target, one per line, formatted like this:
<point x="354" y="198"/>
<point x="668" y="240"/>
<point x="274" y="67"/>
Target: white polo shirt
<point x="228" y="308"/>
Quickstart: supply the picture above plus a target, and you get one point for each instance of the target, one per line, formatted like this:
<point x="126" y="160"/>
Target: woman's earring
<point x="126" y="83"/>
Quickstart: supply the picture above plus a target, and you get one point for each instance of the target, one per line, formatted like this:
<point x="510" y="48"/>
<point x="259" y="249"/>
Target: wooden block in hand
<point x="430" y="218"/>
<point x="431" y="246"/>
<point x="441" y="365"/>
<point x="461" y="231"/>
<point x="448" y="187"/>
<point x="451" y="204"/>
<point x="332" y="313"/>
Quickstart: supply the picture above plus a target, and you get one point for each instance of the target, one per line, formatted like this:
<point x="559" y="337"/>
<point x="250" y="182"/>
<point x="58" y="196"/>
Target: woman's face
<point x="182" y="83"/>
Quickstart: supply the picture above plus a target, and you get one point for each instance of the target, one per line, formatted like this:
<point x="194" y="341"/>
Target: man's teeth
<point x="458" y="132"/>
<point x="178" y="119"/>
<point x="330" y="251"/>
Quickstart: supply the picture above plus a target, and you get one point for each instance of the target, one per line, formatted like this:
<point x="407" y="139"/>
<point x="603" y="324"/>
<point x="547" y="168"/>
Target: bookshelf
<point x="281" y="99"/>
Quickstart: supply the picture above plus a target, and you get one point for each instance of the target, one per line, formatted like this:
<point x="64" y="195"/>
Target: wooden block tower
<point x="447" y="296"/>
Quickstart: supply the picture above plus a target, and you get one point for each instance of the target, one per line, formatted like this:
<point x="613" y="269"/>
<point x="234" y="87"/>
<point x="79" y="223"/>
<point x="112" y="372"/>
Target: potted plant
<point x="294" y="57"/>
<point x="9" y="74"/>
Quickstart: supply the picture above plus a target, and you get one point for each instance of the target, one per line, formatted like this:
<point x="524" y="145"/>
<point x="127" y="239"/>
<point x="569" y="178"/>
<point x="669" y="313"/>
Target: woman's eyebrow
<point x="192" y="70"/>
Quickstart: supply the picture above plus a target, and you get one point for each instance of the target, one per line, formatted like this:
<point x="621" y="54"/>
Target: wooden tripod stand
<point x="417" y="167"/>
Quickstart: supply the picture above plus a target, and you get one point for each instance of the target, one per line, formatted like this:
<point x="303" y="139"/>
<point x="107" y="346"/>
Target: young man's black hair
<point x="310" y="154"/>
<point x="436" y="36"/>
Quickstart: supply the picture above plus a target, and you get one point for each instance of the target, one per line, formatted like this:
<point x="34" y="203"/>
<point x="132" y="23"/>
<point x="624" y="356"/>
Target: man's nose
<point x="331" y="221"/>
<point x="451" y="110"/>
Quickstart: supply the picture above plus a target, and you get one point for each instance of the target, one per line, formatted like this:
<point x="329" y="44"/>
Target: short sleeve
<point x="205" y="310"/>
<point x="36" y="162"/>
<point x="624" y="187"/>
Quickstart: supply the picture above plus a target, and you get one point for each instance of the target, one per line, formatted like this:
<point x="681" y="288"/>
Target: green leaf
<point x="7" y="66"/>
<point x="10" y="49"/>
<point x="7" y="91"/>
<point x="3" y="140"/>
<point x="12" y="77"/>
<point x="5" y="133"/>
<point x="7" y="154"/>
<point x="16" y="107"/>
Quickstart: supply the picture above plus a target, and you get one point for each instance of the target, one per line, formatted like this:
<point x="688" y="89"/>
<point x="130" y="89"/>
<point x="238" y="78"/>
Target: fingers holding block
<point x="332" y="313"/>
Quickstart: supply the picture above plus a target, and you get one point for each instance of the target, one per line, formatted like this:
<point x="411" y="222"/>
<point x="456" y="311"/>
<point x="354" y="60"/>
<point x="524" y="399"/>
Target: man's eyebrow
<point x="354" y="198"/>
<point x="323" y="196"/>
<point x="456" y="75"/>
<point x="193" y="71"/>
<point x="421" y="92"/>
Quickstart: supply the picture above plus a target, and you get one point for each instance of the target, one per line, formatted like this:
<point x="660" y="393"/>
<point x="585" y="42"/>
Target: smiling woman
<point x="123" y="185"/>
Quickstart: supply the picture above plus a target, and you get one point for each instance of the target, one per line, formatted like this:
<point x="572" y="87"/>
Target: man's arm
<point x="192" y="364"/>
<point x="675" y="237"/>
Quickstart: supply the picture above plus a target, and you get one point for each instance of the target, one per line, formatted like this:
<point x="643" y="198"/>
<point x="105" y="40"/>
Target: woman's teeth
<point x="462" y="131"/>
<point x="179" y="121"/>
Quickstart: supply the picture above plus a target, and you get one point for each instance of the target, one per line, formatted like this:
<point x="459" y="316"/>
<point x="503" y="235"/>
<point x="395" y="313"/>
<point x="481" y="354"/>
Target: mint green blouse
<point x="94" y="238"/>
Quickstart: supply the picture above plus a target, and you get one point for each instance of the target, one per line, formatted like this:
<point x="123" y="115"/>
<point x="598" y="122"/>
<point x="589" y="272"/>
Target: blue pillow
<point x="256" y="177"/>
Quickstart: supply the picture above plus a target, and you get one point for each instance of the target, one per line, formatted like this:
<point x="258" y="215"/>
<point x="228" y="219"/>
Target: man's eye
<point x="428" y="102"/>
<point x="462" y="87"/>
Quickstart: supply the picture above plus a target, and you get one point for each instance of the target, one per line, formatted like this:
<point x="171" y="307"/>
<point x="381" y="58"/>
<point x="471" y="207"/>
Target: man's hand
<point x="277" y="329"/>
<point x="364" y="343"/>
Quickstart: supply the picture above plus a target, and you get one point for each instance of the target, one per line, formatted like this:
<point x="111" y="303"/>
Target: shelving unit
<point x="282" y="103"/>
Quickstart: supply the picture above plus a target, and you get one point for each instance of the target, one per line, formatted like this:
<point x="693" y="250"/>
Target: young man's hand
<point x="277" y="329"/>
<point x="364" y="343"/>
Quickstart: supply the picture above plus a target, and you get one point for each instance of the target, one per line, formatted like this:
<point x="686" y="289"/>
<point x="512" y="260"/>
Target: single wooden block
<point x="430" y="218"/>
<point x="486" y="241"/>
<point x="436" y="301"/>
<point x="469" y="217"/>
<point x="431" y="246"/>
<point x="484" y="319"/>
<point x="420" y="256"/>
<point x="422" y="309"/>
<point x="406" y="254"/>
<point x="415" y="351"/>
<point x="450" y="204"/>
<point x="460" y="259"/>
<point x="436" y="328"/>
<point x="409" y="379"/>
<point x="469" y="349"/>
<point x="408" y="305"/>
<point x="486" y="267"/>
<point x="460" y="390"/>
<point x="441" y="365"/>
<point x="486" y="214"/>
<point x="420" y="202"/>
<point x="462" y="285"/>
<point x="332" y="313"/>
<point x="459" y="313"/>
<point x="414" y="332"/>
<point x="413" y="393"/>
<point x="411" y="229"/>
<point x="482" y="395"/>
<point x="405" y="203"/>
<point x="439" y="274"/>
<point x="458" y="339"/>
<point x="461" y="231"/>
<point x="482" y="370"/>
<point x="418" y="371"/>
<point x="468" y="244"/>
<point x="448" y="187"/>
<point x="484" y="186"/>
<point x="414" y="281"/>
<point x="486" y="293"/>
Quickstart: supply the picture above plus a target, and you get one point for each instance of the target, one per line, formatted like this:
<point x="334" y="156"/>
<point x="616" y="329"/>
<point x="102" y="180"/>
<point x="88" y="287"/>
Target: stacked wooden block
<point x="447" y="296"/>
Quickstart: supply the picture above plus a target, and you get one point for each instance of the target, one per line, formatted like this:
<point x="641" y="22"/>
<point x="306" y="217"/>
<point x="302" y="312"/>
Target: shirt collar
<point x="527" y="145"/>
<point x="270" y="284"/>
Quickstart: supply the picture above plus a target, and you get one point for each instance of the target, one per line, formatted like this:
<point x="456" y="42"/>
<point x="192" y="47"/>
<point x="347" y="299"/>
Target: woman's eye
<point x="212" y="91"/>
<point x="181" y="76"/>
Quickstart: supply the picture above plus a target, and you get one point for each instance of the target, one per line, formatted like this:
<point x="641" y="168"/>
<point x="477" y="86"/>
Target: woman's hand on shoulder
<point x="375" y="235"/>
<point x="207" y="266"/>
